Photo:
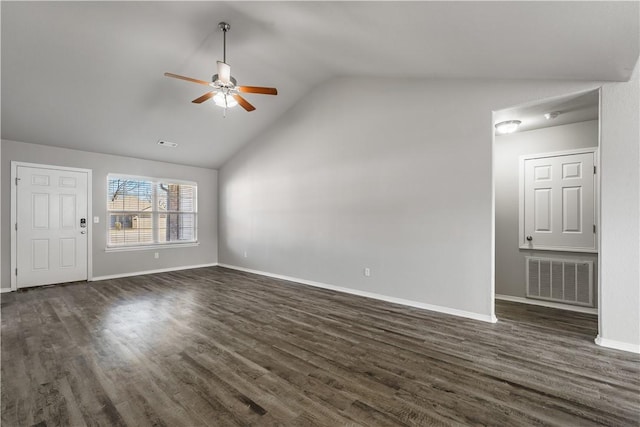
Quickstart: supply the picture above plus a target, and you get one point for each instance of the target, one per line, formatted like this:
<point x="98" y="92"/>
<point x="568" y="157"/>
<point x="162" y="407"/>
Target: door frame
<point x="14" y="213"/>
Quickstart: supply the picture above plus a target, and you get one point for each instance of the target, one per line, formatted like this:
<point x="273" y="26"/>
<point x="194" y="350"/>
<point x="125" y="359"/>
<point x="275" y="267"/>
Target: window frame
<point x="155" y="213"/>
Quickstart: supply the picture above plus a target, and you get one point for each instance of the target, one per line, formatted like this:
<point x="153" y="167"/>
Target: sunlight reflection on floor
<point x="144" y="325"/>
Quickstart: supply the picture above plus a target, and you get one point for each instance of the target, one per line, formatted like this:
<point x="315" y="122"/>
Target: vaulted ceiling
<point x="89" y="75"/>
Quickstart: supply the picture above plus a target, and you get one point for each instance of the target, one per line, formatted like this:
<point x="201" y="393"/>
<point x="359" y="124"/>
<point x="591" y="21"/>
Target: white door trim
<point x="14" y="206"/>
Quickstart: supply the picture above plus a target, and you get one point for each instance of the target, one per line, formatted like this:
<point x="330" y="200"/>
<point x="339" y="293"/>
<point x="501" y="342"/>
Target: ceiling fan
<point x="226" y="92"/>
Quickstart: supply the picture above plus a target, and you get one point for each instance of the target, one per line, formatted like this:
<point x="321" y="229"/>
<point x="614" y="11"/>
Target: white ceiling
<point x="572" y="108"/>
<point x="89" y="75"/>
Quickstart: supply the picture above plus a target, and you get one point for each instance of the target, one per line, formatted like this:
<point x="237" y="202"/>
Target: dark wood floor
<point x="218" y="347"/>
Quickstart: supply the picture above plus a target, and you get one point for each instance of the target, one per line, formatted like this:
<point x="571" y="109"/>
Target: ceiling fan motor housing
<point x="219" y="83"/>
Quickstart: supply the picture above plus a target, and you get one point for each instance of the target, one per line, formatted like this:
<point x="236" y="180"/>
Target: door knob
<point x="83" y="232"/>
<point x="529" y="238"/>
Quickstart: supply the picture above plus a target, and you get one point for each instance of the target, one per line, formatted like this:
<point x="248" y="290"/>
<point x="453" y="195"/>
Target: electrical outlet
<point x="156" y="255"/>
<point x="367" y="271"/>
<point x="96" y="219"/>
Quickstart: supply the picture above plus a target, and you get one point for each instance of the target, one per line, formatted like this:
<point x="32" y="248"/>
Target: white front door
<point x="51" y="226"/>
<point x="559" y="208"/>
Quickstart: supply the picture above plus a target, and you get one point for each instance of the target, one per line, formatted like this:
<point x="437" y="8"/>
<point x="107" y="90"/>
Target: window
<point x="150" y="211"/>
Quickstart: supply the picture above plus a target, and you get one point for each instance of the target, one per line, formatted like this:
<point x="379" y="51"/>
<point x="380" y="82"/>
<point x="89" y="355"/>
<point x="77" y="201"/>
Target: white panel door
<point x="559" y="208"/>
<point x="51" y="234"/>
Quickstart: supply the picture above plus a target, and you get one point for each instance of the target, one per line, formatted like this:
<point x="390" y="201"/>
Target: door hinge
<point x="17" y="179"/>
<point x="16" y="271"/>
<point x="594" y="228"/>
<point x="16" y="226"/>
<point x="594" y="169"/>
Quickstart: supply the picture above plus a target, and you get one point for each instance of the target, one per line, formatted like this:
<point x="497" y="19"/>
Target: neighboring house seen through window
<point x="150" y="211"/>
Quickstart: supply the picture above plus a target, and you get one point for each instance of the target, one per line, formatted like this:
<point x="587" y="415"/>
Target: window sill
<point x="150" y="247"/>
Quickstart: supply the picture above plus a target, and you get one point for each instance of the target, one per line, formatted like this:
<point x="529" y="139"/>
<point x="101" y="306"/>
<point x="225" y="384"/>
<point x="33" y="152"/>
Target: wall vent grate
<point x="560" y="280"/>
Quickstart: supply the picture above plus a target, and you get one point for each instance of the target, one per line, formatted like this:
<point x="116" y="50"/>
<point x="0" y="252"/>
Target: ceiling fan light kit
<point x="224" y="100"/>
<point x="226" y="93"/>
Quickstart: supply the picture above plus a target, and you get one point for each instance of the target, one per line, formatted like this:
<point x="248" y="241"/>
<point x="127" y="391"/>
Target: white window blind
<point x="150" y="211"/>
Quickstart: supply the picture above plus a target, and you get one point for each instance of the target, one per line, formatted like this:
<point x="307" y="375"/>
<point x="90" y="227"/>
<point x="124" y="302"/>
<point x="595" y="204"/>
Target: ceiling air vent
<point x="167" y="144"/>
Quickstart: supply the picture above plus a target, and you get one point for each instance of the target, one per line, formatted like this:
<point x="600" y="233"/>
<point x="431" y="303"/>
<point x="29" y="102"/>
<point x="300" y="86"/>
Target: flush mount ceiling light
<point x="552" y="115"/>
<point x="508" y="126"/>
<point x="225" y="91"/>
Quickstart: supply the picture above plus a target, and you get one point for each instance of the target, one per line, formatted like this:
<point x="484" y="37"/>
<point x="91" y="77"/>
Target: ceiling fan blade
<point x="203" y="98"/>
<point x="258" y="89"/>
<point x="243" y="102"/>
<point x="224" y="72"/>
<point x="189" y="79"/>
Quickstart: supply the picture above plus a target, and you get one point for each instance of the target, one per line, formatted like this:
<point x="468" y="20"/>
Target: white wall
<point x="364" y="173"/>
<point x="115" y="263"/>
<point x="510" y="259"/>
<point x="620" y="207"/>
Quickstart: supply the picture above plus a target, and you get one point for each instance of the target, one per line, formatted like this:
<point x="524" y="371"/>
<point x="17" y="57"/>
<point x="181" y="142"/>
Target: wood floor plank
<point x="219" y="347"/>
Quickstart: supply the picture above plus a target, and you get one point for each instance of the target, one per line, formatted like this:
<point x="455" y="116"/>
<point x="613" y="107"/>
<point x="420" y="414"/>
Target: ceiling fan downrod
<point x="224" y="27"/>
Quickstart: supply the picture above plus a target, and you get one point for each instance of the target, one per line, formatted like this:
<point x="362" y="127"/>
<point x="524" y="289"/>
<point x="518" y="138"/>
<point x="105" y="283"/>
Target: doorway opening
<point x="546" y="205"/>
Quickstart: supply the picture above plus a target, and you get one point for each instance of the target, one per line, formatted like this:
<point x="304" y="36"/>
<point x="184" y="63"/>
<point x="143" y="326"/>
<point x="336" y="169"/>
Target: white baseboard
<point x="550" y="304"/>
<point x="4" y="290"/>
<point x="401" y="301"/>
<point x="159" y="270"/>
<point x="618" y="345"/>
